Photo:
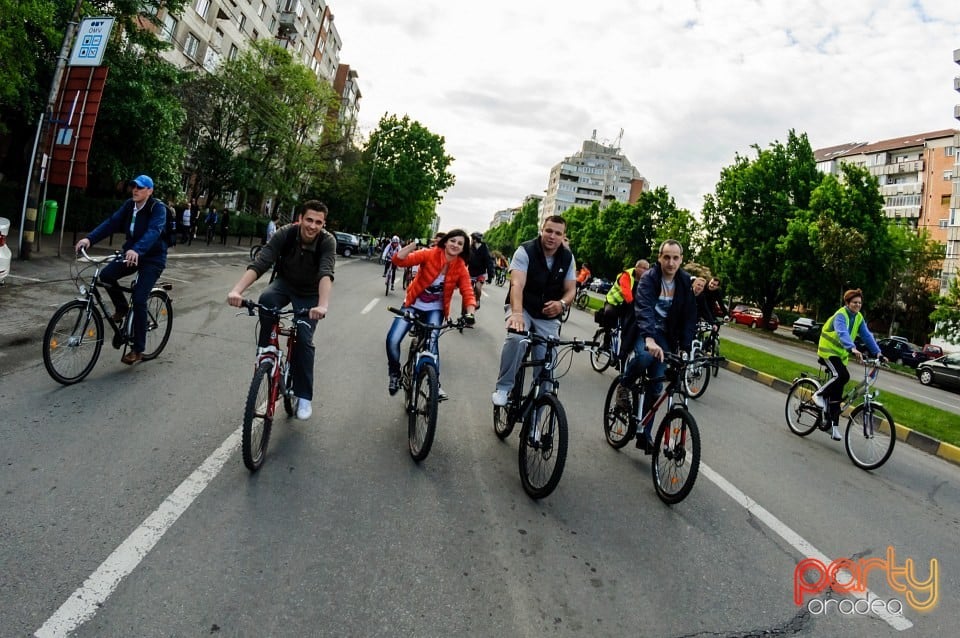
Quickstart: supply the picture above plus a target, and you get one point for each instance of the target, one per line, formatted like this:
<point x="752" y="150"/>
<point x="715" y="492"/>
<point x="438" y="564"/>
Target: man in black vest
<point x="543" y="282"/>
<point x="144" y="221"/>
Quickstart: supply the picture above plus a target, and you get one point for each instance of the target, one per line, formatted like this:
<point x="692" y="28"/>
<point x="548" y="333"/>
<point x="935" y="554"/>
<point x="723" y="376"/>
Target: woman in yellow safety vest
<point x="834" y="350"/>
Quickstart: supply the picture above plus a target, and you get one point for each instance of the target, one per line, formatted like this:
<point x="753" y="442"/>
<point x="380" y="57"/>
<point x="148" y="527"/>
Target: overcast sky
<point x="515" y="86"/>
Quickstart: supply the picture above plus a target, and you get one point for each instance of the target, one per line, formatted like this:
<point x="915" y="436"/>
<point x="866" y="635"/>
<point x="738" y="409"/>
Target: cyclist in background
<point x="666" y="320"/>
<point x="714" y="297"/>
<point x="618" y="305"/>
<point x="389" y="251"/>
<point x="480" y="263"/>
<point x="303" y="255"/>
<point x="143" y="219"/>
<point x="834" y="350"/>
<point x="442" y="268"/>
<point x="583" y="276"/>
<point x="704" y="311"/>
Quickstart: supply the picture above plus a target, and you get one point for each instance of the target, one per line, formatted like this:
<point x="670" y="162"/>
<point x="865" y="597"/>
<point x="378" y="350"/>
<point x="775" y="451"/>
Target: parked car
<point x="807" y="329"/>
<point x="944" y="371"/>
<point x="753" y="317"/>
<point x="599" y="284"/>
<point x="931" y="351"/>
<point x="901" y="351"/>
<point x="347" y="244"/>
<point x="5" y="255"/>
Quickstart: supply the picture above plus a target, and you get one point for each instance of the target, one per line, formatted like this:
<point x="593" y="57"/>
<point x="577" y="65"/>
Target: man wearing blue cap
<point x="143" y="219"/>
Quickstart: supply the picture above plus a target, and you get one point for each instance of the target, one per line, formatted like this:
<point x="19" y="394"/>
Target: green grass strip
<point x="941" y="425"/>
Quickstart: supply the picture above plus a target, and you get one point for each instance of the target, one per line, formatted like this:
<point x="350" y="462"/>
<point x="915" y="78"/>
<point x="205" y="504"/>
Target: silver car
<point x="5" y="255"/>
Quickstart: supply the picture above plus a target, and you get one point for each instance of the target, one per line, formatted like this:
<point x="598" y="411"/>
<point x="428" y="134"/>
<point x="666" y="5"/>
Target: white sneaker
<point x="499" y="398"/>
<point x="835" y="434"/>
<point x="304" y="409"/>
<point x="819" y="402"/>
<point x="441" y="394"/>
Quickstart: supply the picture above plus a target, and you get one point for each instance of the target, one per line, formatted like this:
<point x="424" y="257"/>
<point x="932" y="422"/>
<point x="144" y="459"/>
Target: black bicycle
<point x="420" y="380"/>
<point x="608" y="352"/>
<point x="675" y="446"/>
<point x="543" y="435"/>
<point x="704" y="361"/>
<point x="390" y="278"/>
<point x="75" y="334"/>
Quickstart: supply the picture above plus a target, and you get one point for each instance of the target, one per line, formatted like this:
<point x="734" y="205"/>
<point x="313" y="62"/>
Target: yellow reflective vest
<point x="829" y="344"/>
<point x="615" y="294"/>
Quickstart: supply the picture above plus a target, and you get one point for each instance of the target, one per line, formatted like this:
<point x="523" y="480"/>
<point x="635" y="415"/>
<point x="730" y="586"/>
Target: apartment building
<point x="597" y="173"/>
<point x="506" y="215"/>
<point x="915" y="174"/>
<point x="951" y="264"/>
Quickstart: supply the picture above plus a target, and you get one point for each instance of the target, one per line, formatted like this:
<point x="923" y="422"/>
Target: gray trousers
<point x="514" y="348"/>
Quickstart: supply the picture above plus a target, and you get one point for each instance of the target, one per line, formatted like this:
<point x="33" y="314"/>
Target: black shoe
<point x="645" y="444"/>
<point x="394" y="384"/>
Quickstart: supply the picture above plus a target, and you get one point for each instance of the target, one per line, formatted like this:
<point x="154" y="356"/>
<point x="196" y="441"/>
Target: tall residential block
<point x="596" y="174"/>
<point x="951" y="264"/>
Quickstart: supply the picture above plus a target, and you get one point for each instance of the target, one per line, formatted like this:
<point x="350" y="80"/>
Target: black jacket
<point x="681" y="322"/>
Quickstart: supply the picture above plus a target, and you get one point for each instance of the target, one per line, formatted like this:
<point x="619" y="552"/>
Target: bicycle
<point x="704" y="360"/>
<point x="420" y="380"/>
<point x="582" y="300"/>
<point x="675" y="448"/>
<point x="543" y="435"/>
<point x="408" y="275"/>
<point x="75" y="334"/>
<point x="500" y="277"/>
<point x="272" y="379"/>
<point x="608" y="352"/>
<point x="255" y="250"/>
<point x="390" y="277"/>
<point x="870" y="435"/>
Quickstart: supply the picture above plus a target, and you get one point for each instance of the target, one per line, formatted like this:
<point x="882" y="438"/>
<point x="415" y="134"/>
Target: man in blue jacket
<point x="666" y="314"/>
<point x="143" y="219"/>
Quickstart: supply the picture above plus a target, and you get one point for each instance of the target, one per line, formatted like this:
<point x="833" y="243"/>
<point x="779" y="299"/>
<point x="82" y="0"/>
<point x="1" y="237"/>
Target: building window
<point x="261" y="9"/>
<point x="190" y="45"/>
<point x="202" y="6"/>
<point x="949" y="151"/>
<point x="947" y="176"/>
<point x="255" y="35"/>
<point x="943" y="223"/>
<point x="233" y="52"/>
<point x="273" y="24"/>
<point x="169" y="29"/>
<point x="243" y="21"/>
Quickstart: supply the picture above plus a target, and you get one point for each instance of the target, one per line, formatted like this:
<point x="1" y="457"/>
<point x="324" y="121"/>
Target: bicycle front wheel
<point x="618" y="427"/>
<point x="286" y="381"/>
<point x="159" y="323"/>
<point x="422" y="413"/>
<point x="870" y="436"/>
<point x="257" y="418"/>
<point x="543" y="447"/>
<point x="696" y="378"/>
<point x="601" y="358"/>
<point x="72" y="342"/>
<point x="676" y="455"/>
<point x="803" y="415"/>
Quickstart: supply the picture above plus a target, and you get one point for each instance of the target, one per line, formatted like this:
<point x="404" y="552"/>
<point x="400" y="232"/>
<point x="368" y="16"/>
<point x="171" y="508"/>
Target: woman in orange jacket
<point x="442" y="269"/>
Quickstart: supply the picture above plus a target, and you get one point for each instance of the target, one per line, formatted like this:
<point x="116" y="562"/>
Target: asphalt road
<point x="136" y="471"/>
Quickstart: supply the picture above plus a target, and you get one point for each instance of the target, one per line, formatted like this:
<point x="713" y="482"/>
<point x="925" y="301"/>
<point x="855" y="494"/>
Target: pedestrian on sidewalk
<point x="224" y="227"/>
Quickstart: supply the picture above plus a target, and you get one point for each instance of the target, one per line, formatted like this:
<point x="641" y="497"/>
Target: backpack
<point x="169" y="234"/>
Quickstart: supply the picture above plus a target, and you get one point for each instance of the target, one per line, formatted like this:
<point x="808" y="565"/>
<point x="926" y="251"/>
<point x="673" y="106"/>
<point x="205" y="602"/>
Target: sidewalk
<point x="44" y="265"/>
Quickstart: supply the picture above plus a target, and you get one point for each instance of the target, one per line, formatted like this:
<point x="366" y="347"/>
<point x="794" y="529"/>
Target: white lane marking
<point x="27" y="278"/>
<point x="183" y="281"/>
<point x="370" y="306"/>
<point x="806" y="549"/>
<point x="84" y="602"/>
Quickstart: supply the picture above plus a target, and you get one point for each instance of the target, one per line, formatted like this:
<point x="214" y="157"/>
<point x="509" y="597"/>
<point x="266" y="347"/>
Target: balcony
<point x="902" y="212"/>
<point x="286" y="24"/>
<point x="915" y="166"/>
<point x="913" y="188"/>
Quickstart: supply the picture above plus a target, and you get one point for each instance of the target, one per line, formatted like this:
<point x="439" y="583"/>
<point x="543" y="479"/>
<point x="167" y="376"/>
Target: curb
<point x="909" y="436"/>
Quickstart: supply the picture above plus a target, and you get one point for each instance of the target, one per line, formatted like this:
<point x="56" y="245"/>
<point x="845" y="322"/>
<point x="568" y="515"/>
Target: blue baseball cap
<point x="143" y="181"/>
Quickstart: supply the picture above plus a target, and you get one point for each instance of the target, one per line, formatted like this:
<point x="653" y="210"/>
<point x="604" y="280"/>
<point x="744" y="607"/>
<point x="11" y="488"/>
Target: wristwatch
<point x="563" y="304"/>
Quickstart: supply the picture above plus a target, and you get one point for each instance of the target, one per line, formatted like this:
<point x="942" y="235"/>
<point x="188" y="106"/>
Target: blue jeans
<point x="644" y="361"/>
<point x="279" y="294"/>
<point x="149" y="271"/>
<point x="399" y="329"/>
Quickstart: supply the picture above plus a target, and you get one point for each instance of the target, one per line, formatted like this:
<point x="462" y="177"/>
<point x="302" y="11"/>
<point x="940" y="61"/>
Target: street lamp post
<point x="373" y="168"/>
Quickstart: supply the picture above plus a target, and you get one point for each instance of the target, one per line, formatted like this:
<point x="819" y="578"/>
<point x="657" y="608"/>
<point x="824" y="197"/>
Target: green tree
<point x="748" y="215"/>
<point x="409" y="172"/>
<point x="30" y="35"/>
<point x="946" y="317"/>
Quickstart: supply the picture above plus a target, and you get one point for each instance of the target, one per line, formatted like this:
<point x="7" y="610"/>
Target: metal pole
<point x="373" y="168"/>
<point x="30" y="202"/>
<point x="26" y="191"/>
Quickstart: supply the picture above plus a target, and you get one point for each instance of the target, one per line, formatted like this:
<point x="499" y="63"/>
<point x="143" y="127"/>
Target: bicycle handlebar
<point x="578" y="345"/>
<point x="84" y="256"/>
<point x="252" y="305"/>
<point x="410" y="316"/>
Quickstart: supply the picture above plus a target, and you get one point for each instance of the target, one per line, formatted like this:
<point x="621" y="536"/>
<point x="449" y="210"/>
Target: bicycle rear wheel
<point x="601" y="358"/>
<point x="803" y="415"/>
<point x="543" y="447"/>
<point x="618" y="427"/>
<point x="72" y="342"/>
<point x="713" y="350"/>
<point x="422" y="413"/>
<point x="676" y="455"/>
<point x="159" y="323"/>
<point x="502" y="423"/>
<point x="257" y="418"/>
<point x="696" y="378"/>
<point x="286" y="382"/>
<point x="870" y="436"/>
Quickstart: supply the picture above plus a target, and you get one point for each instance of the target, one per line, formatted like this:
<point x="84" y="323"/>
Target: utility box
<point x="49" y="216"/>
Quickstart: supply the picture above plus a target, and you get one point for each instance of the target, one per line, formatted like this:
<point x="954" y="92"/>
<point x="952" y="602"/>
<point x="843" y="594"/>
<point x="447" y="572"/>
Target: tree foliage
<point x="946" y="317"/>
<point x="747" y="218"/>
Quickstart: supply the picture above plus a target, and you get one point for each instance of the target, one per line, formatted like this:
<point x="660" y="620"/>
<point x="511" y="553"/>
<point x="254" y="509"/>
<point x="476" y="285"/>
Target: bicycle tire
<point x="72" y="342"/>
<point x="803" y="415"/>
<point x="582" y="300"/>
<point x="255" y="250"/>
<point x="285" y="388"/>
<point x="565" y="314"/>
<point x="869" y="442"/>
<point x="422" y="413"/>
<point x="714" y="351"/>
<point x="502" y="423"/>
<point x="618" y="426"/>
<point x="600" y="358"/>
<point x="257" y="418"/>
<point x="676" y="455"/>
<point x="543" y="455"/>
<point x="696" y="378"/>
<point x="159" y="323"/>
